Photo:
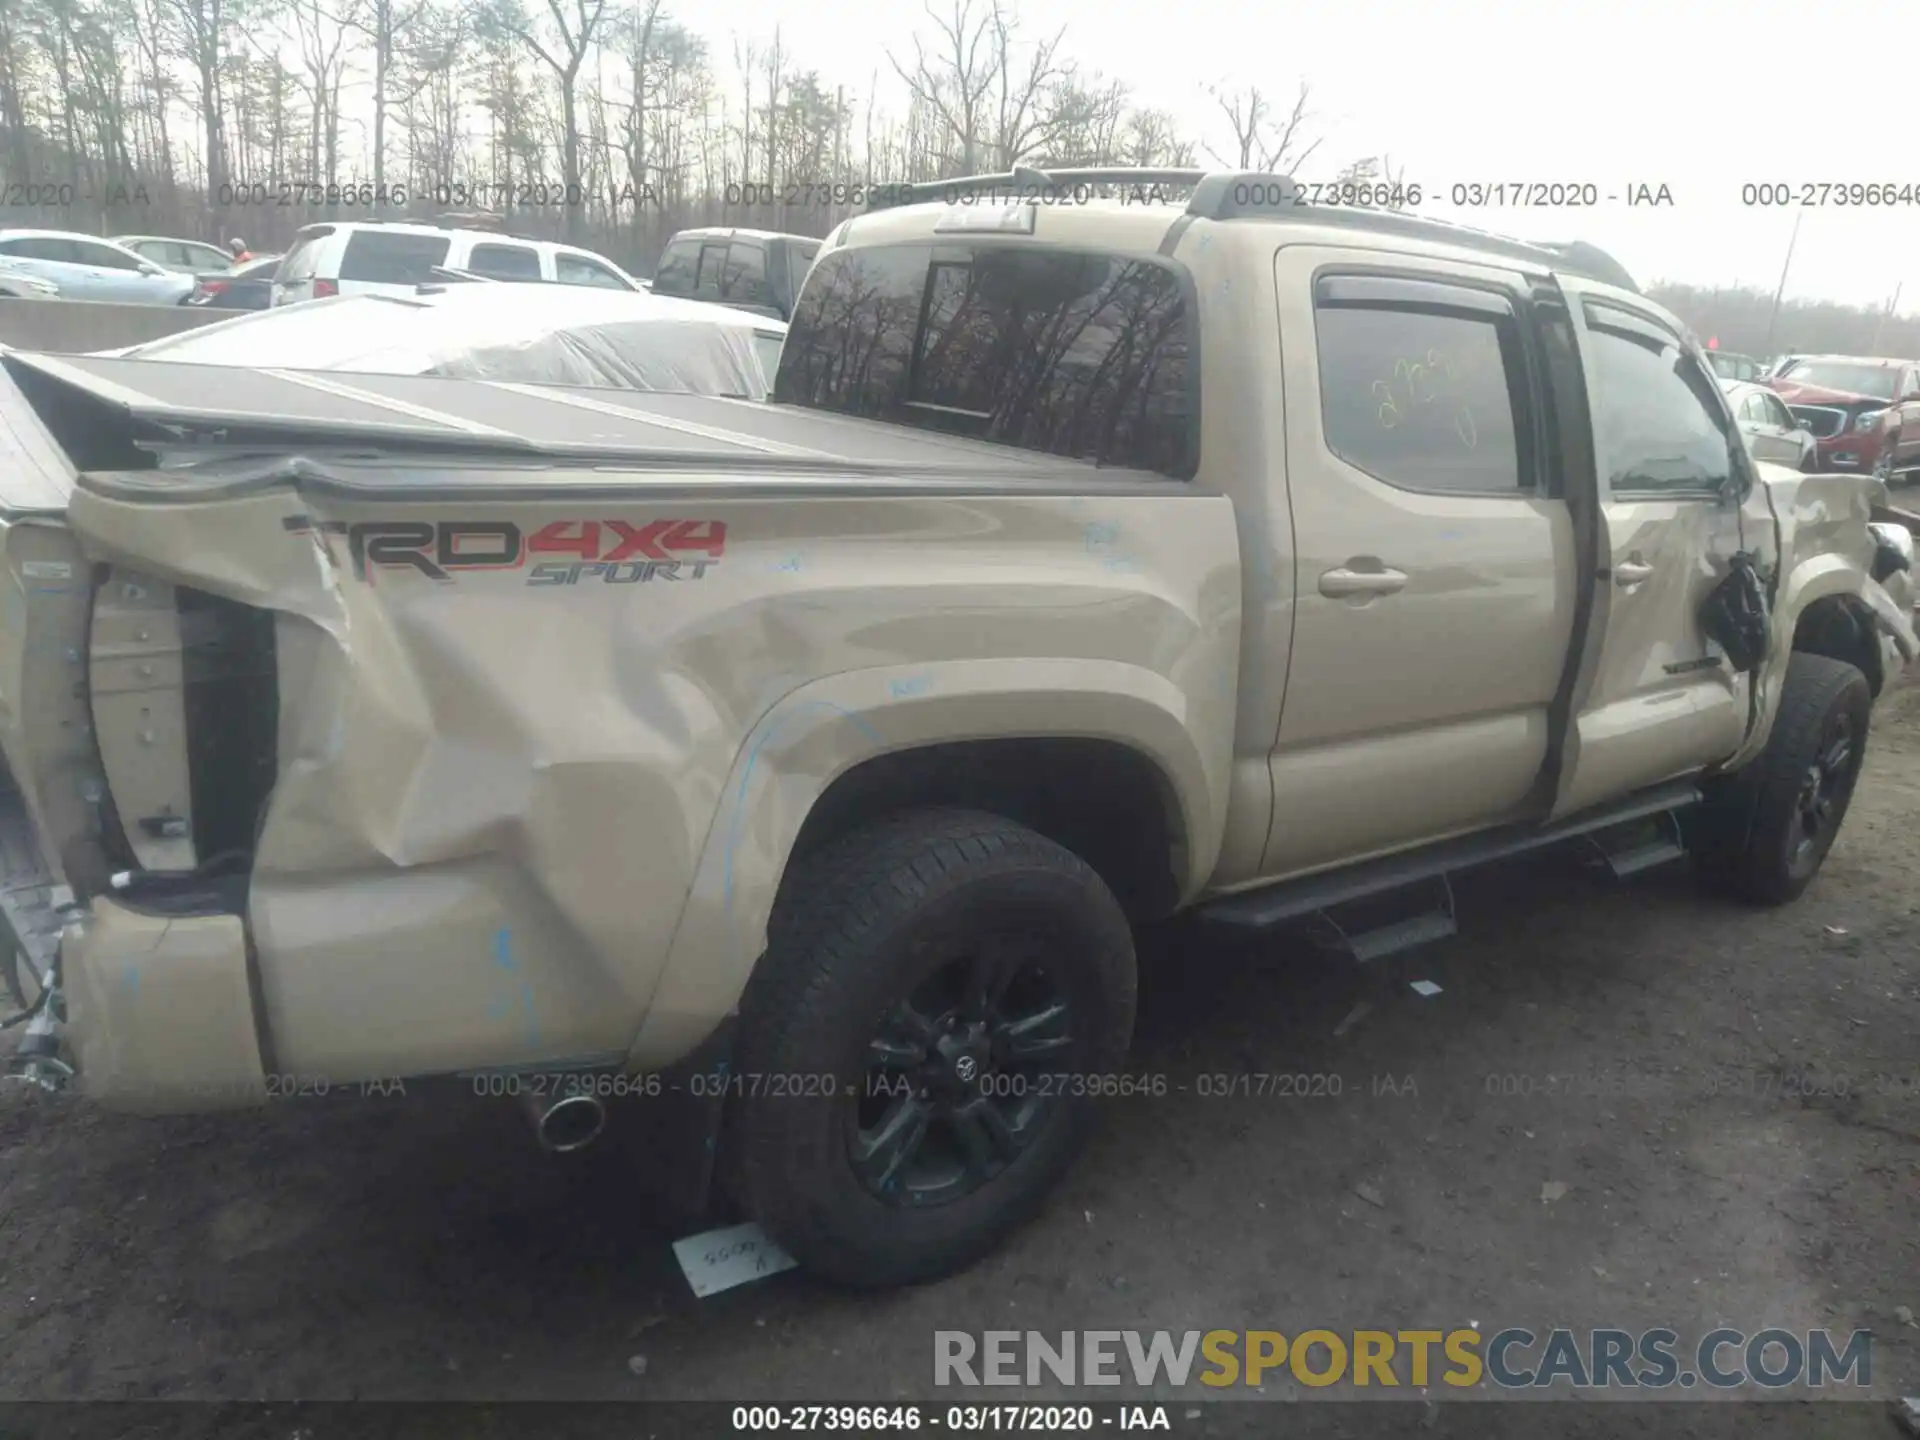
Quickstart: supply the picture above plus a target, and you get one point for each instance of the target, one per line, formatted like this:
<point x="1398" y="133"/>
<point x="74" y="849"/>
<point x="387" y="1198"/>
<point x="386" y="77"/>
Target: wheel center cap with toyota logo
<point x="966" y="1067"/>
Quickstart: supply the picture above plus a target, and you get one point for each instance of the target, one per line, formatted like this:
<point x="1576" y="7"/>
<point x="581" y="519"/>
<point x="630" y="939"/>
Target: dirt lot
<point x="400" y="1249"/>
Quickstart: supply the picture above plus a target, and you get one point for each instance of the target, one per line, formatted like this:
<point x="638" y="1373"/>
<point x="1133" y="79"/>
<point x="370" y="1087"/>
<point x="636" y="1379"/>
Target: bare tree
<point x="430" y="97"/>
<point x="745" y="55"/>
<point x="954" y="82"/>
<point x="1022" y="122"/>
<point x="1373" y="182"/>
<point x="636" y="37"/>
<point x="320" y="40"/>
<point x="1260" y="141"/>
<point x="776" y="59"/>
<point x="615" y="99"/>
<point x="576" y="34"/>
<point x="385" y="24"/>
<point x="201" y="31"/>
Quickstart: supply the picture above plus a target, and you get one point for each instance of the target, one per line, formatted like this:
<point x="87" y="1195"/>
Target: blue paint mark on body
<point x="738" y="816"/>
<point x="503" y="957"/>
<point x="911" y="685"/>
<point x="792" y="564"/>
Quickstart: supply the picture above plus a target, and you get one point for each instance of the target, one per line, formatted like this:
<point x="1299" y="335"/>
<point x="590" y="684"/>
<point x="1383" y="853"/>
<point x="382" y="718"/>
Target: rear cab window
<point x="393" y="257"/>
<point x="505" y="262"/>
<point x="1073" y="353"/>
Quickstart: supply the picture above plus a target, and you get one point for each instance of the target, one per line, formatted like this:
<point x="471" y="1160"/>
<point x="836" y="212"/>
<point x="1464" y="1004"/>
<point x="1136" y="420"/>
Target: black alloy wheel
<point x="957" y="1082"/>
<point x="1824" y="793"/>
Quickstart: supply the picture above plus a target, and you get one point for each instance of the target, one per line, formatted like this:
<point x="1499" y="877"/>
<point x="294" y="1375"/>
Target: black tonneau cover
<point x="171" y="406"/>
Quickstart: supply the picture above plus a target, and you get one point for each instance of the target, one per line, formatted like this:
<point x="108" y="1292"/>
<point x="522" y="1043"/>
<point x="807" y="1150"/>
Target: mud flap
<point x="678" y="1132"/>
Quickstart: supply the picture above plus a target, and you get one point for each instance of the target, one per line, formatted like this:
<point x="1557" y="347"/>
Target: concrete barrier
<point x="76" y="327"/>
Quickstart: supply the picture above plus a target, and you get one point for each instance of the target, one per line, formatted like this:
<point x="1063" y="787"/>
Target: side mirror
<point x="147" y="267"/>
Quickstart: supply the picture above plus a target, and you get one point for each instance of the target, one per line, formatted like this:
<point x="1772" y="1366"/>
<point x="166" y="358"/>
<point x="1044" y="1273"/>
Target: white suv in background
<point x="370" y="257"/>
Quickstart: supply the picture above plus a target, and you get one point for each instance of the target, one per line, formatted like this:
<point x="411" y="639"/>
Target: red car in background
<point x="1863" y="411"/>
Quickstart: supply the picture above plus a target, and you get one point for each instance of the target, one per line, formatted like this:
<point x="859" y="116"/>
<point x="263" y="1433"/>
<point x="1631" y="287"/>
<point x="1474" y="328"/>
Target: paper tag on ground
<point x="1426" y="988"/>
<point x="722" y="1259"/>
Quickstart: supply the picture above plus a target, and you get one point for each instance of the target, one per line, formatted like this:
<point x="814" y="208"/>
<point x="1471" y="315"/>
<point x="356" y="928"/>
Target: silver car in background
<point x="182" y="257"/>
<point x="1772" y="431"/>
<point x="85" y="267"/>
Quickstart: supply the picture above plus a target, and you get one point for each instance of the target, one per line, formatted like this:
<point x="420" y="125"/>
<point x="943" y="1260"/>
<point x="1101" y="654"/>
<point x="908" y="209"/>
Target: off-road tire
<point x="849" y="938"/>
<point x="1744" y="836"/>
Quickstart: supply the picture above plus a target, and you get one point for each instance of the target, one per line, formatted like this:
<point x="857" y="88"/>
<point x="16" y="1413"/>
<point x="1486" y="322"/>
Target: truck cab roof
<point x="1138" y="209"/>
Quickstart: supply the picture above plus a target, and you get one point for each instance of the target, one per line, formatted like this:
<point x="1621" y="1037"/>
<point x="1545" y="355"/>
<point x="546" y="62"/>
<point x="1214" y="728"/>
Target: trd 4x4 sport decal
<point x="615" y="552"/>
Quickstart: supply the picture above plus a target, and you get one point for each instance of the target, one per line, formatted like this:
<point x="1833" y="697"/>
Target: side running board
<point x="1318" y="895"/>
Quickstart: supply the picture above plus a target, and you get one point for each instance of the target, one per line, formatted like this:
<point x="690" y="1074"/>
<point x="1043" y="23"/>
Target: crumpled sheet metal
<point x="494" y="796"/>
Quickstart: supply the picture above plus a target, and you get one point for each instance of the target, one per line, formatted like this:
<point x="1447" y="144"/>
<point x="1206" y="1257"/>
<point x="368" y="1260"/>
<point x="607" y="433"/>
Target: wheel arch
<point x="848" y="749"/>
<point x="1841" y="627"/>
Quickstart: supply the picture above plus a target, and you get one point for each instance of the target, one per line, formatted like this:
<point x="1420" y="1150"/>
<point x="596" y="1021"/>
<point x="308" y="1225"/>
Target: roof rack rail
<point x="1235" y="194"/>
<point x="1024" y="181"/>
<point x="473" y="220"/>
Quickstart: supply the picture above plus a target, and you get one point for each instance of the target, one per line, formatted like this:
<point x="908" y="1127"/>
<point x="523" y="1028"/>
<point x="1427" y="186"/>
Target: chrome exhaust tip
<point x="567" y="1122"/>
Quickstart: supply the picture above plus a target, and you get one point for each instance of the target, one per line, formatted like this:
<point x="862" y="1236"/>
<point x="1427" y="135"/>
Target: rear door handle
<point x="1631" y="572"/>
<point x="1338" y="584"/>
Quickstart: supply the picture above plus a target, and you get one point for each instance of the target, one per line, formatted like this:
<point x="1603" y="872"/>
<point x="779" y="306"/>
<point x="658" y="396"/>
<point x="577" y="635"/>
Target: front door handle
<point x="1338" y="584"/>
<point x="1631" y="572"/>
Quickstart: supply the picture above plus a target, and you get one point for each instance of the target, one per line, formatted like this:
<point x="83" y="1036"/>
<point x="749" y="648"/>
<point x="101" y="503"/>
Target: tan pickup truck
<point x="813" y="759"/>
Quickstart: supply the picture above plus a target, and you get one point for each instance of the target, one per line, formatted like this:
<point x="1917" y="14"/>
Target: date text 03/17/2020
<point x="960" y="1419"/>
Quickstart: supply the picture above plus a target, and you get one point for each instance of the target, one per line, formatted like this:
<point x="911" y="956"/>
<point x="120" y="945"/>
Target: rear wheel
<point x="1765" y="830"/>
<point x="936" y="994"/>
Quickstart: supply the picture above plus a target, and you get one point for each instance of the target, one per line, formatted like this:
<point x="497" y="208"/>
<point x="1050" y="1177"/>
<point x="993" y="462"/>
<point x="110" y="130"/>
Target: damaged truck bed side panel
<point x="531" y="725"/>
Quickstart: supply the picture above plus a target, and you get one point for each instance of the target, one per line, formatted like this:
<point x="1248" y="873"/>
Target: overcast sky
<point x="1700" y="95"/>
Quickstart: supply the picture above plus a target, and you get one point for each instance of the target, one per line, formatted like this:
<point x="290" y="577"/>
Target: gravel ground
<point x="1652" y="1040"/>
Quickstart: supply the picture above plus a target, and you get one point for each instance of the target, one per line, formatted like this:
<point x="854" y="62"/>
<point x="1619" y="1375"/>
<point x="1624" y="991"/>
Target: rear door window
<point x="505" y="262"/>
<point x="1425" y="396"/>
<point x="40" y="247"/>
<point x="1067" y="352"/>
<point x="106" y="257"/>
<point x="392" y="257"/>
